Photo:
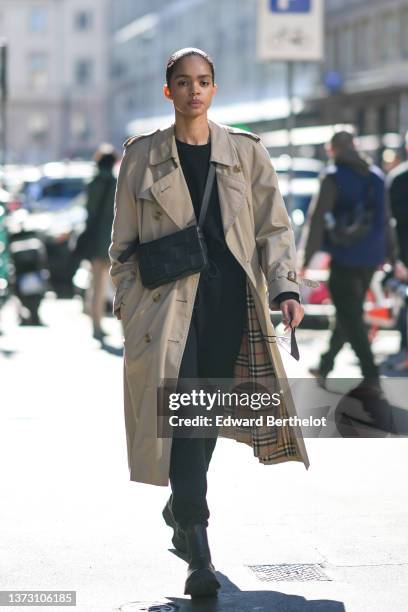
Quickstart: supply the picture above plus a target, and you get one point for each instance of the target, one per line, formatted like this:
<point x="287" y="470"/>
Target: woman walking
<point x="210" y="324"/>
<point x="97" y="236"/>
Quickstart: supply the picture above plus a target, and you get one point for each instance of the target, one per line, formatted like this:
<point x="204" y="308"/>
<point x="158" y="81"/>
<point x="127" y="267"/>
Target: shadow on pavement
<point x="231" y="598"/>
<point x="7" y="352"/>
<point x="355" y="418"/>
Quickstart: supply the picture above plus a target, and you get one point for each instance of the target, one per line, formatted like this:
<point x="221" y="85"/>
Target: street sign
<point x="3" y="70"/>
<point x="290" y="6"/>
<point x="290" y="30"/>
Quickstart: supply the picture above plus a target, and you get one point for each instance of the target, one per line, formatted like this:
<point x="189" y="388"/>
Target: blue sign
<point x="290" y="6"/>
<point x="333" y="81"/>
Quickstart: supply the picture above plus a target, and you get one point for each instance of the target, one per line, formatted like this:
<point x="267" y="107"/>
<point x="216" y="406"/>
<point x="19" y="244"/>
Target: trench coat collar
<point x="164" y="146"/>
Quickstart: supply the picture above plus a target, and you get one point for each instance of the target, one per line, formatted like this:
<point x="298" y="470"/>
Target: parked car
<point x="13" y="178"/>
<point x="302" y="167"/>
<point x="55" y="200"/>
<point x="52" y="186"/>
<point x="303" y="186"/>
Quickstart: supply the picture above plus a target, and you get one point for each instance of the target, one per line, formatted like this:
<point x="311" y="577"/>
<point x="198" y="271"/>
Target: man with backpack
<point x="348" y="219"/>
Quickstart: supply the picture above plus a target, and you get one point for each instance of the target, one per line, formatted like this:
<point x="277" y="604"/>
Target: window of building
<point x="37" y="19"/>
<point x="404" y="32"/>
<point x="130" y="103"/>
<point x="330" y="50"/>
<point x="83" y="72"/>
<point x="363" y="44"/>
<point x="333" y="49"/>
<point x="118" y="69"/>
<point x="392" y="117"/>
<point x="219" y="44"/>
<point x="371" y="121"/>
<point x="83" y="20"/>
<point x="347" y="50"/>
<point x="361" y="120"/>
<point x="242" y="37"/>
<point x="38" y="70"/>
<point x="389" y="43"/>
<point x="80" y="127"/>
<point x="38" y="126"/>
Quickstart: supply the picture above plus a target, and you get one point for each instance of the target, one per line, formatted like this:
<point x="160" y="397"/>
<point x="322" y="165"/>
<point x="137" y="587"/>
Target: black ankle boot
<point x="201" y="579"/>
<point x="179" y="537"/>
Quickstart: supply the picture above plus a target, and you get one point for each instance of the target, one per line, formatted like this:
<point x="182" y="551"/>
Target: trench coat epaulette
<point x="133" y="139"/>
<point x="233" y="130"/>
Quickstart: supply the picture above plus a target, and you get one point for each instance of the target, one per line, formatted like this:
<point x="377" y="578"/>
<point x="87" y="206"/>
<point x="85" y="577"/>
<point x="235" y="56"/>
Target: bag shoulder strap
<point x="132" y="248"/>
<point x="207" y="193"/>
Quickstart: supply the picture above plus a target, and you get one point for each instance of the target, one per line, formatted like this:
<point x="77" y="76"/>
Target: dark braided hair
<point x="176" y="57"/>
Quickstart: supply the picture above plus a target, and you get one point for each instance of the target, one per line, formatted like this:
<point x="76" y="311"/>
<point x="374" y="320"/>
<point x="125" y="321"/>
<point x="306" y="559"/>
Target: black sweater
<point x="194" y="160"/>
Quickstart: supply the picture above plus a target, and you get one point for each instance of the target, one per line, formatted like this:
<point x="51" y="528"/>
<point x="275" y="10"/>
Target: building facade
<point x="145" y="33"/>
<point x="58" y="71"/>
<point x="85" y="71"/>
<point x="365" y="78"/>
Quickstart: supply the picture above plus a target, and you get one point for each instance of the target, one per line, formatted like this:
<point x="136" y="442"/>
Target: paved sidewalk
<point x="70" y="519"/>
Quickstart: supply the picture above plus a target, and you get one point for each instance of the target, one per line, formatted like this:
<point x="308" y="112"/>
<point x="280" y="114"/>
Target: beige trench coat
<point x="153" y="200"/>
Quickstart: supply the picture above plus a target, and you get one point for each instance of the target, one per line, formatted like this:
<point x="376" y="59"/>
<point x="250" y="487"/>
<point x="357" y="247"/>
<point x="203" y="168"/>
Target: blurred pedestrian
<point x="97" y="236"/>
<point x="348" y="219"/>
<point x="397" y="190"/>
<point x="391" y="159"/>
<point x="397" y="187"/>
<point x="211" y="324"/>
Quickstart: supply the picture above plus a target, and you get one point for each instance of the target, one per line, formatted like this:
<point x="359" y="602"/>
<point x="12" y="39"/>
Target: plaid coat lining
<point x="253" y="364"/>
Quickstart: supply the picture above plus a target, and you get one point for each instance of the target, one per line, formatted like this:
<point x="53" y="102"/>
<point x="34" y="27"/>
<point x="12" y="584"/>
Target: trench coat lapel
<point x="172" y="193"/>
<point x="170" y="189"/>
<point x="230" y="180"/>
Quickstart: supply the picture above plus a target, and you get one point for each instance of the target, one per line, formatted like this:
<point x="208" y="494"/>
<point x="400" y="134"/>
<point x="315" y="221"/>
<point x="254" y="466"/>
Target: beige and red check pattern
<point x="253" y="365"/>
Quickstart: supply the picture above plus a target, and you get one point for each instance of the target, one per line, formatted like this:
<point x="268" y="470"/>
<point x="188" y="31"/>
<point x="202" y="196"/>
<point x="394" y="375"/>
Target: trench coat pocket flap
<point x="145" y="193"/>
<point x="173" y="196"/>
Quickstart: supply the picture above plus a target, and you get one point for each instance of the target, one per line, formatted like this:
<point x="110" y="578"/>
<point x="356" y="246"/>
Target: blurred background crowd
<point x="77" y="74"/>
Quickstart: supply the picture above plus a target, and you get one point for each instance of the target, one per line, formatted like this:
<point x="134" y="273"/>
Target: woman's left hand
<point x="292" y="313"/>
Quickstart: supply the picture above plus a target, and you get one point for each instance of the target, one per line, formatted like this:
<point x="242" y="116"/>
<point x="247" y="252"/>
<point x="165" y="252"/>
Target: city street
<point x="71" y="520"/>
<point x="143" y="143"/>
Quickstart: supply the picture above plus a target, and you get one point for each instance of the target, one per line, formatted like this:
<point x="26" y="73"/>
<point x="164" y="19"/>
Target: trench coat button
<point x="147" y="338"/>
<point x="157" y="215"/>
<point x="156" y="297"/>
<point x="237" y="168"/>
<point x="292" y="276"/>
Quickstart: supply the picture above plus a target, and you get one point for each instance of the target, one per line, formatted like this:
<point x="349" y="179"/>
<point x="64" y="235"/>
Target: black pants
<point x="212" y="347"/>
<point x="348" y="286"/>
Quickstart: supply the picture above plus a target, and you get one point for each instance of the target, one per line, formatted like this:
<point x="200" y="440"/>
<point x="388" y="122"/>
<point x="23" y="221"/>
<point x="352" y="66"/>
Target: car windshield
<point x="63" y="188"/>
<point x="67" y="189"/>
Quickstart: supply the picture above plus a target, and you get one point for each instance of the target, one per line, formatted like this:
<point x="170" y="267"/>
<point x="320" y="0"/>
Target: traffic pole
<point x="290" y="126"/>
<point x="3" y="101"/>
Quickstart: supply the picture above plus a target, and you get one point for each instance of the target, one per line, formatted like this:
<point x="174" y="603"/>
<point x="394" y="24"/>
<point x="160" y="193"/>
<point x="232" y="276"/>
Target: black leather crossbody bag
<point x="175" y="256"/>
